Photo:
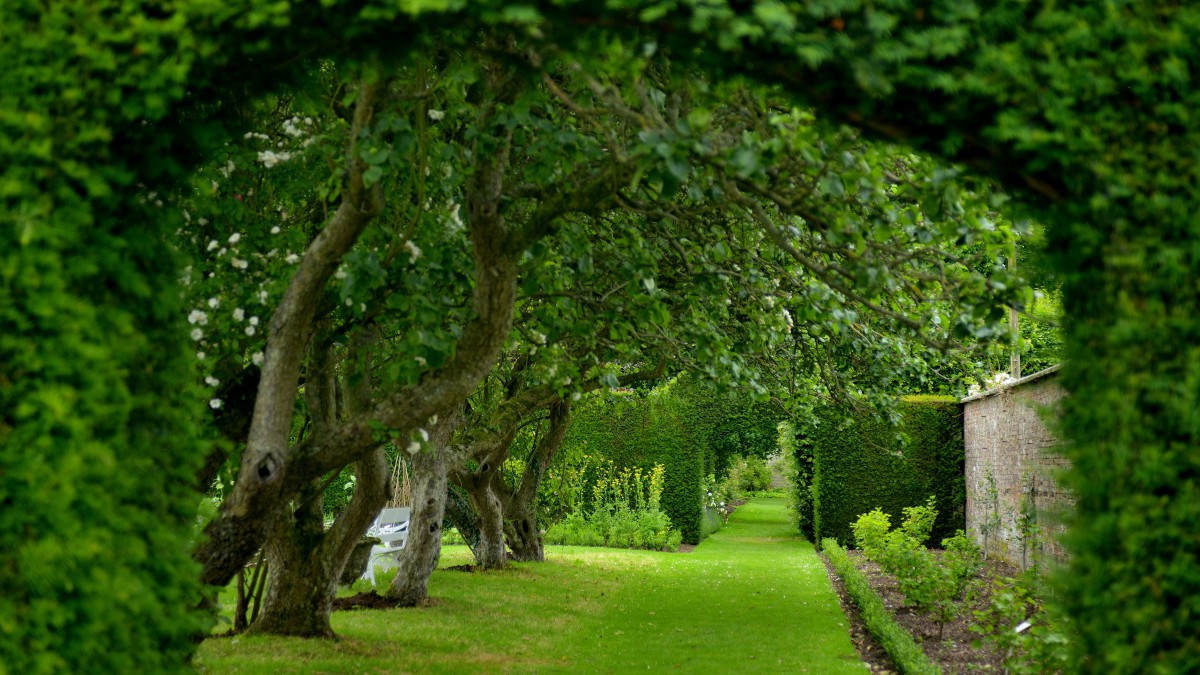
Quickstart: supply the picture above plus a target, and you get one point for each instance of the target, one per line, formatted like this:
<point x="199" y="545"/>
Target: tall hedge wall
<point x="98" y="423"/>
<point x="859" y="464"/>
<point x="635" y="429"/>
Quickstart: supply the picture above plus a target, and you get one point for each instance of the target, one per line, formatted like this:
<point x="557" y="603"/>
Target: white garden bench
<point x="391" y="528"/>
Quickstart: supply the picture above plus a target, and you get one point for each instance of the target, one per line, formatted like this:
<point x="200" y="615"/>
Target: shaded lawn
<point x="753" y="596"/>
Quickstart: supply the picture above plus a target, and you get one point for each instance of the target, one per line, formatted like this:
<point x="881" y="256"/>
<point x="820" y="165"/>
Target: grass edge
<point x="898" y="643"/>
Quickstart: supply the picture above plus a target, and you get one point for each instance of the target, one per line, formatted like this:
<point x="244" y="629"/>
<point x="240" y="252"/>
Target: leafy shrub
<point x="623" y="529"/>
<point x="895" y="640"/>
<point x="747" y="474"/>
<point x="625" y="513"/>
<point x="1024" y="630"/>
<point x="936" y="586"/>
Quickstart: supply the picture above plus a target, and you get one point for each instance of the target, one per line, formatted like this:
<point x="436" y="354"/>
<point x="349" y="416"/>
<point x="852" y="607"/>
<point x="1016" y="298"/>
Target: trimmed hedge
<point x="632" y="429"/>
<point x="99" y="424"/>
<point x="859" y="464"/>
<point x="909" y="657"/>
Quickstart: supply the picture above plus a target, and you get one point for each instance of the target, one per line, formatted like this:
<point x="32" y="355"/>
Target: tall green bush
<point x="861" y="463"/>
<point x="636" y="429"/>
<point x="98" y="433"/>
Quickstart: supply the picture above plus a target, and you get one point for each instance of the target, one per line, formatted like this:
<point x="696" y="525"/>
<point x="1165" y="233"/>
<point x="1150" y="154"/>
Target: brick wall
<point x="1010" y="469"/>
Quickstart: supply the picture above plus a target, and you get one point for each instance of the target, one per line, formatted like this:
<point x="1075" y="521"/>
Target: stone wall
<point x="1010" y="469"/>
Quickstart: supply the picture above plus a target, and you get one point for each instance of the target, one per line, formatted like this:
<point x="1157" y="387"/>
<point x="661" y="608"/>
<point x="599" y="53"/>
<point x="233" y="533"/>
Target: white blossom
<point x="198" y="317"/>
<point x="235" y="237"/>
<point x="290" y="128"/>
<point x="239" y="263"/>
<point x="575" y="396"/>
<point x="455" y="218"/>
<point x="254" y="321"/>
<point x="257" y="358"/>
<point x="424" y="435"/>
<point x="239" y="314"/>
<point x="262" y="297"/>
<point x="413" y="251"/>
<point x="197" y="334"/>
<point x="211" y="381"/>
<point x="340" y="273"/>
<point x="204" y="221"/>
<point x="251" y="330"/>
<point x="212" y="245"/>
<point x="200" y="355"/>
<point x="275" y="230"/>
<point x="420" y="361"/>
<point x="214" y="403"/>
<point x="413" y="448"/>
<point x="292" y="259"/>
<point x="270" y="158"/>
<point x="213" y="302"/>
<point x="436" y="115"/>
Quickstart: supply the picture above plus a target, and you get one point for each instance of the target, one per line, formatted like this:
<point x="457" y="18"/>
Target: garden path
<point x="753" y="597"/>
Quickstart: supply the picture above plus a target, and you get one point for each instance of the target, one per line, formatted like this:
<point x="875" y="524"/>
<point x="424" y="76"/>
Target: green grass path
<point x="753" y="597"/>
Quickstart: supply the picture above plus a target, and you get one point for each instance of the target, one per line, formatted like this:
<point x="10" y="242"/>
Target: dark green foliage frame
<point x="860" y="463"/>
<point x="1083" y="108"/>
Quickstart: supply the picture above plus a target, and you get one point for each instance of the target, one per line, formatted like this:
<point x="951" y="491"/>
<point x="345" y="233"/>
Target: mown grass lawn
<point x="753" y="597"/>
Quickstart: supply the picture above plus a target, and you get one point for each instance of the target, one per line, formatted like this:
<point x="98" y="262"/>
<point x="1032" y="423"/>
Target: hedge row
<point x="727" y="425"/>
<point x="860" y="463"/>
<point x="895" y="640"/>
<point x="99" y="433"/>
<point x="636" y="429"/>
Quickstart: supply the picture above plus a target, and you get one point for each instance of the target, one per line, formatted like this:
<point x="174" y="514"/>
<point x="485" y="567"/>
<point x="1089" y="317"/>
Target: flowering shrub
<point x="625" y="513"/>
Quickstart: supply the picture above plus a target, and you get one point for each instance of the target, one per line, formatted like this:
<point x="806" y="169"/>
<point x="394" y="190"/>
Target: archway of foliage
<point x="650" y="274"/>
<point x="1081" y="108"/>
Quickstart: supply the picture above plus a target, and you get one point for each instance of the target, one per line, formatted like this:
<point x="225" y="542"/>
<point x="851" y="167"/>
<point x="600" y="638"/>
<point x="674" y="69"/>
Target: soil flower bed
<point x="955" y="652"/>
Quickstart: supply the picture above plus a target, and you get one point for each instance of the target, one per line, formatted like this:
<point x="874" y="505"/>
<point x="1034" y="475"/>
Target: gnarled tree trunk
<point x="462" y="517"/>
<point x="304" y="560"/>
<point x="521" y="526"/>
<point x="489" y="552"/>
<point x="420" y="557"/>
